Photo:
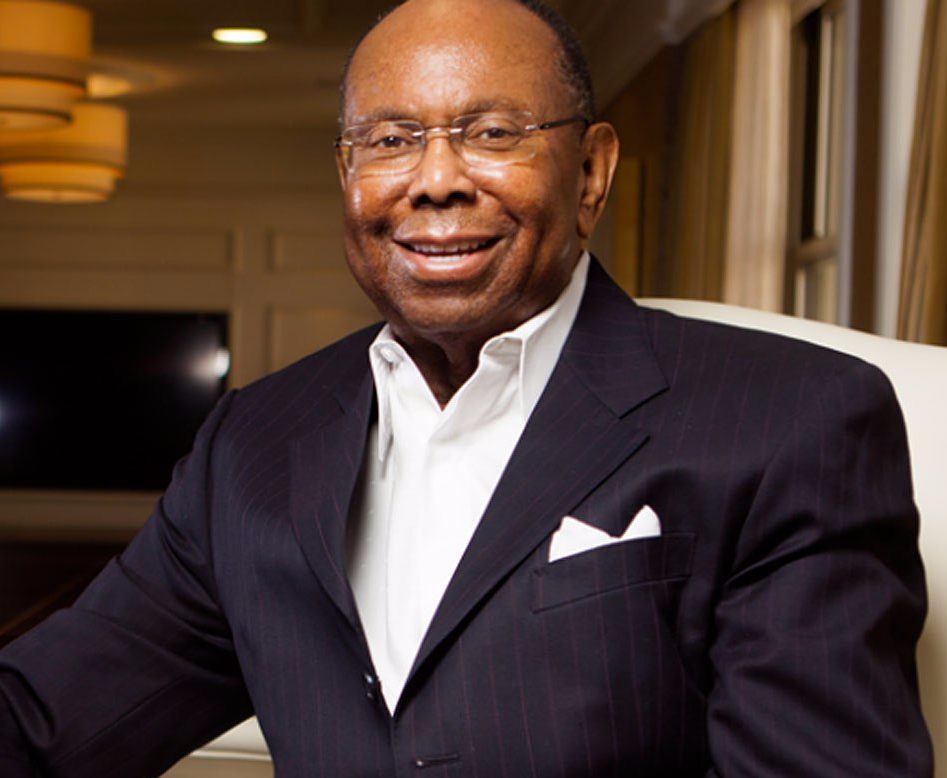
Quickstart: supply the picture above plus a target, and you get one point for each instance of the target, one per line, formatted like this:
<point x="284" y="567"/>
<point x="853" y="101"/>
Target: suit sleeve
<point x="818" y="620"/>
<point x="14" y="759"/>
<point x="141" y="669"/>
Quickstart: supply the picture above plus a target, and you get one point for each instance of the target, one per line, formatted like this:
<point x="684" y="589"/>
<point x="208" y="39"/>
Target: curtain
<point x="701" y="167"/>
<point x="922" y="311"/>
<point x="754" y="268"/>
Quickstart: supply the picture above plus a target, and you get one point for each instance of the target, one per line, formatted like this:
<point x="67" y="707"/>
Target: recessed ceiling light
<point x="239" y="36"/>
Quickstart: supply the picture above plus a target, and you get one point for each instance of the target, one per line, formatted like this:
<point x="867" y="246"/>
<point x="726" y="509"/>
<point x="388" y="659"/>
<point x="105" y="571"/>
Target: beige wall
<point x="631" y="236"/>
<point x="244" y="221"/>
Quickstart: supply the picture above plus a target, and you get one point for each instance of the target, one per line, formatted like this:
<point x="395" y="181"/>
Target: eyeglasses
<point x="488" y="139"/>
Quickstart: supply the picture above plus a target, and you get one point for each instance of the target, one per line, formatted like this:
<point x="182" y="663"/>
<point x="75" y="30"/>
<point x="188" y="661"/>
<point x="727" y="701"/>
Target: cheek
<point x="354" y="201"/>
<point x="361" y="223"/>
<point x="368" y="207"/>
<point x="361" y="206"/>
<point x="541" y="197"/>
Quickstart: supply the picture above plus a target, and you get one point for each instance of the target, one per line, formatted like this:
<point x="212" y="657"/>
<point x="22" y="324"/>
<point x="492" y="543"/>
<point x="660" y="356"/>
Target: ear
<point x="600" y="147"/>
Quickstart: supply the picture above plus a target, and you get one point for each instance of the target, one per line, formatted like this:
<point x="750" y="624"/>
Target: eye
<point x="388" y="137"/>
<point x="493" y="132"/>
<point x="389" y="142"/>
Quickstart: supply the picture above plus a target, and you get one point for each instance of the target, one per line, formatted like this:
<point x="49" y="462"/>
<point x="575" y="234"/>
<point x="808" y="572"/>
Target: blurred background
<point x="779" y="154"/>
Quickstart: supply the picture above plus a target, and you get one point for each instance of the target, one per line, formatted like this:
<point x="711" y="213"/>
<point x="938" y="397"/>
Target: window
<point x="816" y="137"/>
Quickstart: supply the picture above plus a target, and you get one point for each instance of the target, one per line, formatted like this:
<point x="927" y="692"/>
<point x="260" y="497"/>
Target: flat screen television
<point x="104" y="400"/>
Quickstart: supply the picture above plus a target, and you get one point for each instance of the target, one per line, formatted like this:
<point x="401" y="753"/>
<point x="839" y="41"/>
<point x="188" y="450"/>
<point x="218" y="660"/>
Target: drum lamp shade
<point x="45" y="46"/>
<point x="77" y="164"/>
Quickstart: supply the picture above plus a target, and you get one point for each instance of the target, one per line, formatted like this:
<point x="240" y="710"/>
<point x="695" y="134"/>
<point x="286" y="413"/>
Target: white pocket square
<point x="575" y="536"/>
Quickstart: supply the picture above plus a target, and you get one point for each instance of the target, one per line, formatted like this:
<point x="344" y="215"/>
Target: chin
<point x="437" y="325"/>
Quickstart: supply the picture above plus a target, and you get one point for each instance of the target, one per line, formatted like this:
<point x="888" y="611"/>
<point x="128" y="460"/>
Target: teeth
<point x="451" y="250"/>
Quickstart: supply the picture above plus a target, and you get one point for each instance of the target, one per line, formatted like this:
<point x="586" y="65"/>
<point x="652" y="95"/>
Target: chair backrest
<point x="919" y="376"/>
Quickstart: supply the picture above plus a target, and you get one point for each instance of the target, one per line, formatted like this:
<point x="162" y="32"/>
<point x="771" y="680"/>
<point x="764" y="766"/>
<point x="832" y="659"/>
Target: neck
<point x="445" y="366"/>
<point x="447" y="359"/>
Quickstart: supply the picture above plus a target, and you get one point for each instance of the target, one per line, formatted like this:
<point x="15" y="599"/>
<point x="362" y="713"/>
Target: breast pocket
<point x="611" y="567"/>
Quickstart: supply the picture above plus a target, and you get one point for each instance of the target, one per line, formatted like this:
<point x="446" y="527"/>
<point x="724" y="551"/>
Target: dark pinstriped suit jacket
<point x="768" y="632"/>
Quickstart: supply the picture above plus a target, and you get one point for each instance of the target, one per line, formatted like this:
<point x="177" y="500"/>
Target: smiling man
<point x="469" y="227"/>
<point x="525" y="528"/>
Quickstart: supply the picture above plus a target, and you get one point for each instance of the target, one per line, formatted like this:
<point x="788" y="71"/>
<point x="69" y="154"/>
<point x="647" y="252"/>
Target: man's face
<point x="450" y="251"/>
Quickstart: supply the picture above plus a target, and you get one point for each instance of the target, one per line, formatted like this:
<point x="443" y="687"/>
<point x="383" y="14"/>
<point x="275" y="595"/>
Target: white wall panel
<point x="71" y="247"/>
<point x="302" y="251"/>
<point x="295" y="332"/>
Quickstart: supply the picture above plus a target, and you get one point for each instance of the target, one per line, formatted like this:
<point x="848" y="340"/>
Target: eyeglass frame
<point x="450" y="131"/>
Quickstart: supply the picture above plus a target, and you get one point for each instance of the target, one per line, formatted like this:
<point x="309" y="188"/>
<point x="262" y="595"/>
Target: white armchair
<point x="919" y="376"/>
<point x="238" y="753"/>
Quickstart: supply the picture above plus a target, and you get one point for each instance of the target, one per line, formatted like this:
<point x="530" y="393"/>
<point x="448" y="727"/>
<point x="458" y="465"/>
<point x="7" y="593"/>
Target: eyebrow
<point x="498" y="103"/>
<point x="386" y="113"/>
<point x="381" y="114"/>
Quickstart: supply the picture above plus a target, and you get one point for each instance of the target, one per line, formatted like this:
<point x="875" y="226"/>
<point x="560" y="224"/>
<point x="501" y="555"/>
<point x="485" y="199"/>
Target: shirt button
<point x="388" y="354"/>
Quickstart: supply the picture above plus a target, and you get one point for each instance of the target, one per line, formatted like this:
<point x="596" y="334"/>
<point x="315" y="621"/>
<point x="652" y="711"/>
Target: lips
<point x="450" y="249"/>
<point x="445" y="259"/>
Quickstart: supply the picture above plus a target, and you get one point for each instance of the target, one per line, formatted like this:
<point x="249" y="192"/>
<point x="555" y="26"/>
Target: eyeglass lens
<point x="481" y="140"/>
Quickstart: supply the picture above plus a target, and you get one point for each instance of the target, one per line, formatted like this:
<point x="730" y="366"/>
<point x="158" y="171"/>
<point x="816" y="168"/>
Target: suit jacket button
<point x="371" y="687"/>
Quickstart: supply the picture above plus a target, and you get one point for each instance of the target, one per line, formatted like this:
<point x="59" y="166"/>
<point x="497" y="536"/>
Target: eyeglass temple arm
<point x="561" y="123"/>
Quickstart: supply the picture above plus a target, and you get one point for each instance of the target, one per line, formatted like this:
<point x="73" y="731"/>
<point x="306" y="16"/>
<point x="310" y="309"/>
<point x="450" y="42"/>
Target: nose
<point x="442" y="176"/>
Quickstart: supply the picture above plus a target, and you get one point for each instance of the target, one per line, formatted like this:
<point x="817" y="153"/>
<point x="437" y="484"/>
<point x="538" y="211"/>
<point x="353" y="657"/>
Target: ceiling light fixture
<point x="239" y="36"/>
<point x="77" y="164"/>
<point x="105" y="85"/>
<point x="110" y="77"/>
<point x="44" y="55"/>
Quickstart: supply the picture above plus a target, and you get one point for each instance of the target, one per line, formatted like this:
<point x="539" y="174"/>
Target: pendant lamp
<point x="77" y="164"/>
<point x="45" y="47"/>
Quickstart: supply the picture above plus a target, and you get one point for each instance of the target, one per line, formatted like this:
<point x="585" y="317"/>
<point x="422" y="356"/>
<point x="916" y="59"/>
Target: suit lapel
<point x="579" y="433"/>
<point x="324" y="467"/>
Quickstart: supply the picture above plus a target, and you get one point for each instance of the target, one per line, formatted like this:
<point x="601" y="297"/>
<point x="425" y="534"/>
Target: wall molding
<point x="146" y="248"/>
<point x="307" y="251"/>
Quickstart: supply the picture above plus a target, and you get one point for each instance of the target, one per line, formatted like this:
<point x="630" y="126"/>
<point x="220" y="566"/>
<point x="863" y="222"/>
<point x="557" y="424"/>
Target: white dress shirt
<point x="429" y="473"/>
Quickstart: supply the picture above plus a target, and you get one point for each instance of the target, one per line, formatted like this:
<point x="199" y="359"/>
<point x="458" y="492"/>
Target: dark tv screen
<point x="104" y="400"/>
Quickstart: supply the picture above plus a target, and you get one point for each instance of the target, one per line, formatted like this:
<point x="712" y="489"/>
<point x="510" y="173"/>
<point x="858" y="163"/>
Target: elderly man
<point x="524" y="529"/>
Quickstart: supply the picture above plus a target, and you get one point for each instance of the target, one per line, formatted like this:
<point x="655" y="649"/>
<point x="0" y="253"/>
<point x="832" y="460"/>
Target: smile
<point x="447" y="259"/>
<point x="448" y="250"/>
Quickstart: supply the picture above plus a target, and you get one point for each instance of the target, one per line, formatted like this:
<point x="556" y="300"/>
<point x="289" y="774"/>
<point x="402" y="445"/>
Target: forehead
<point x="434" y="59"/>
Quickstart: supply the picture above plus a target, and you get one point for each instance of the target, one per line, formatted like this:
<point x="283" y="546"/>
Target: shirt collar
<point x="538" y="342"/>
